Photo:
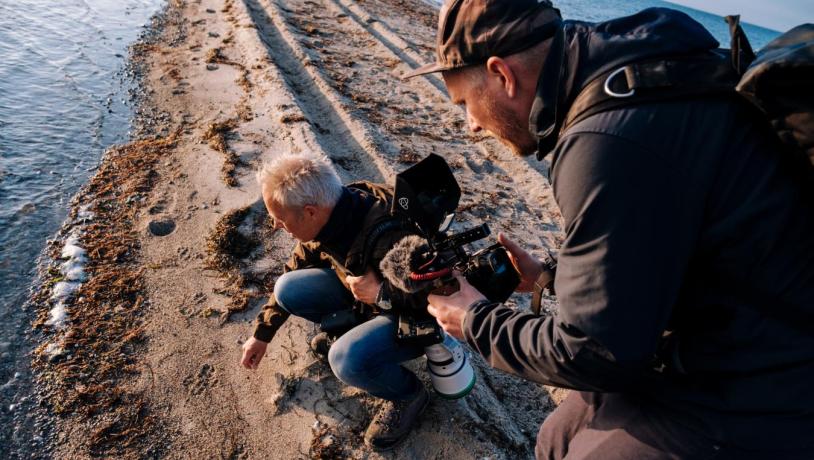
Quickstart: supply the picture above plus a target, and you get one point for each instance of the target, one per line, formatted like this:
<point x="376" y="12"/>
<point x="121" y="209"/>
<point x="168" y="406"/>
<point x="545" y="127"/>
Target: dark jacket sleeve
<point x="272" y="316"/>
<point x="627" y="244"/>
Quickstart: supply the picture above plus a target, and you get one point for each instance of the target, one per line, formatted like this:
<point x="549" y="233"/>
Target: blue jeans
<point x="367" y="356"/>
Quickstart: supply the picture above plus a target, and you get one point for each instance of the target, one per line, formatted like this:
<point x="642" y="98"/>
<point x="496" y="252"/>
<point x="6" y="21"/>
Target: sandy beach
<point x="178" y="255"/>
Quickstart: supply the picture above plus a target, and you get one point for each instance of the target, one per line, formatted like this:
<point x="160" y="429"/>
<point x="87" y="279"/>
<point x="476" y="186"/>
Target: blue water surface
<point x="594" y="11"/>
<point x="597" y="11"/>
<point x="62" y="102"/>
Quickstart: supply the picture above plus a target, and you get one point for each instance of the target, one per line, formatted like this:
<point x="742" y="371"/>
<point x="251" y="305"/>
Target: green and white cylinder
<point x="450" y="371"/>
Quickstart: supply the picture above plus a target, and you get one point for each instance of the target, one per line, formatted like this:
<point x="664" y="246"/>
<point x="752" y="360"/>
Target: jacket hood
<point x="581" y="51"/>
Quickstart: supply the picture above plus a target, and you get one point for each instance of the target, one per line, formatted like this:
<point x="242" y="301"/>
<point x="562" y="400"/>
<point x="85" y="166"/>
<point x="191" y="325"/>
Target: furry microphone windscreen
<point x="406" y="256"/>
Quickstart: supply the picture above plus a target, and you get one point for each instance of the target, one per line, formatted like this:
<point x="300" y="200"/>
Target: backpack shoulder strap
<point x="741" y="50"/>
<point x="654" y="80"/>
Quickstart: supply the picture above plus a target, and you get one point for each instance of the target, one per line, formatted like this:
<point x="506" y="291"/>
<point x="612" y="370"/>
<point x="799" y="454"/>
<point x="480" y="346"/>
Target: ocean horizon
<point x="586" y="10"/>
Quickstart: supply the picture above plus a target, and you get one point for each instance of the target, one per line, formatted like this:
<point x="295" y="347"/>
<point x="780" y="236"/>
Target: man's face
<point x="302" y="223"/>
<point x="488" y="109"/>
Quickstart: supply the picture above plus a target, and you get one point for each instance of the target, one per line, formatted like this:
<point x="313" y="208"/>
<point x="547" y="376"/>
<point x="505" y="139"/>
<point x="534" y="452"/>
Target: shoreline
<point x="180" y="257"/>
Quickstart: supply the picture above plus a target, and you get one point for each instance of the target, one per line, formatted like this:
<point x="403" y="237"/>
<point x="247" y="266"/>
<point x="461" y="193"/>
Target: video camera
<point x="426" y="195"/>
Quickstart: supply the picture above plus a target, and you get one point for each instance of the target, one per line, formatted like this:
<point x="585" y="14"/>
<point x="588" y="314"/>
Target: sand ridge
<point x="239" y="81"/>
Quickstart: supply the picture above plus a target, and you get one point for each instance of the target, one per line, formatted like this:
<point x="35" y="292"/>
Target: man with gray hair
<point x="342" y="233"/>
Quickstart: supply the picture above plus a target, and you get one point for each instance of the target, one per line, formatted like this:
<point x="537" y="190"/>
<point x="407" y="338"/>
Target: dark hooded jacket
<point x="359" y="232"/>
<point x="686" y="277"/>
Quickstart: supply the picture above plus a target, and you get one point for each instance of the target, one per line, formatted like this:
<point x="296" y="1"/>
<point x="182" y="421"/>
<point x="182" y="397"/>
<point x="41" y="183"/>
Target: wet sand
<point x="180" y="257"/>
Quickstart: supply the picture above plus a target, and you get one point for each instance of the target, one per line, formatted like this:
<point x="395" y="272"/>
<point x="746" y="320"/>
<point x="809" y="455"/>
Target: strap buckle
<point x="544" y="284"/>
<point x="609" y="80"/>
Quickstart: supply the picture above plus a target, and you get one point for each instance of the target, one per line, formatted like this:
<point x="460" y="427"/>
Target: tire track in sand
<point x="342" y="138"/>
<point x="328" y="35"/>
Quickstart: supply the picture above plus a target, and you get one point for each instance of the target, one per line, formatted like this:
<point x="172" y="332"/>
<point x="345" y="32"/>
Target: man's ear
<point x="309" y="210"/>
<point x="498" y="68"/>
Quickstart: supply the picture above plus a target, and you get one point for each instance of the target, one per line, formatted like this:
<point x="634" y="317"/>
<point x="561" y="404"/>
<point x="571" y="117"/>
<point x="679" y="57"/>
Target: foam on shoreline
<point x="73" y="274"/>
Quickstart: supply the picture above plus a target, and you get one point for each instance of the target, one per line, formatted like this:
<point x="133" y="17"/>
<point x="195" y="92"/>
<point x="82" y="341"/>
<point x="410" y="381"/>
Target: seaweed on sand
<point x="216" y="56"/>
<point x="216" y="135"/>
<point x="230" y="249"/>
<point x="91" y="382"/>
<point x="328" y="443"/>
<point x="227" y="244"/>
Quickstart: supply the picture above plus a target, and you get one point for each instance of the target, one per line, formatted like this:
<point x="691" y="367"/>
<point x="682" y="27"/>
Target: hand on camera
<point x="528" y="266"/>
<point x="450" y="310"/>
<point x="253" y="352"/>
<point x="365" y="288"/>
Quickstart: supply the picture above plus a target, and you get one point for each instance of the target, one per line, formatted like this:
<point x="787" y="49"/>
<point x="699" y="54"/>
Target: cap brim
<point x="423" y="70"/>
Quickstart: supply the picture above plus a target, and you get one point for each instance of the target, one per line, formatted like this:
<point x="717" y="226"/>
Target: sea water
<point x="62" y="102"/>
<point x="597" y="11"/>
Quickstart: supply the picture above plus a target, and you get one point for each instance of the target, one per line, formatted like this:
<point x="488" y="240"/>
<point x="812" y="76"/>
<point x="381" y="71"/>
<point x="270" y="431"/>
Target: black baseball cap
<point x="471" y="31"/>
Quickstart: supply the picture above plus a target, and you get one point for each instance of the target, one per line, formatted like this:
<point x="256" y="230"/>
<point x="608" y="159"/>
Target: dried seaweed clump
<point x="228" y="248"/>
<point x="216" y="56"/>
<point x="86" y="383"/>
<point x="216" y="135"/>
<point x="329" y="444"/>
<point x="227" y="244"/>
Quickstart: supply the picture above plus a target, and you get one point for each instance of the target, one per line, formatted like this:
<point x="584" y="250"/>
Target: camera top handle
<point x="457" y="240"/>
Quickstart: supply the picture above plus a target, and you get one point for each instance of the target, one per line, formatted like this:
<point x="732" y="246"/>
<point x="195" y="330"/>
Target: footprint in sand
<point x="199" y="383"/>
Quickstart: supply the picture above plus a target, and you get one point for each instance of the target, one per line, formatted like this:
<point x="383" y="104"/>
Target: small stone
<point x="214" y="34"/>
<point x="211" y="66"/>
<point x="210" y="10"/>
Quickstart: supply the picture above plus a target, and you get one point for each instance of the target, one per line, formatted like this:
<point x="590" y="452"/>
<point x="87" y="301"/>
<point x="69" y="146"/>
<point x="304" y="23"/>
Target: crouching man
<point x="342" y="233"/>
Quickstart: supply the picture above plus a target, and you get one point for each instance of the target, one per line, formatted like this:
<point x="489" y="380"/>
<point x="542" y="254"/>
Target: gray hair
<point x="297" y="179"/>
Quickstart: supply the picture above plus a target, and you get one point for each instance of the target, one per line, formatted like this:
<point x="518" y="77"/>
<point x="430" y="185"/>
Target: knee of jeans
<point x="283" y="289"/>
<point x="346" y="364"/>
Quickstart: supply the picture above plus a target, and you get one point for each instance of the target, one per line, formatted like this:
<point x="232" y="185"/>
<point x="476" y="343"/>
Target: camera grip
<point x="447" y="287"/>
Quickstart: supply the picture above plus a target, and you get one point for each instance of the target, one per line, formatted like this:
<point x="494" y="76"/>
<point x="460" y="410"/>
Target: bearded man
<point x="686" y="277"/>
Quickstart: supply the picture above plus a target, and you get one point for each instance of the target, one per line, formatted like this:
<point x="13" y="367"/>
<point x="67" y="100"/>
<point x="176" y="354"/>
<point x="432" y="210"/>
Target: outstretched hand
<point x="253" y="352"/>
<point x="526" y="264"/>
<point x="365" y="288"/>
<point x="450" y="310"/>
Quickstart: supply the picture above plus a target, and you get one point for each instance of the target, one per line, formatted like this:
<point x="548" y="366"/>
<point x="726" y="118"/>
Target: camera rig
<point x="427" y="195"/>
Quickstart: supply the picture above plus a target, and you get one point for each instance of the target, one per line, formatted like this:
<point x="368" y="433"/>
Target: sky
<point x="779" y="15"/>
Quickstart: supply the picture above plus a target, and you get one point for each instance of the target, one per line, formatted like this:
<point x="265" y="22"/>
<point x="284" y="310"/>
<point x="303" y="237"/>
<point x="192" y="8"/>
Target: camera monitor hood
<point x="426" y="193"/>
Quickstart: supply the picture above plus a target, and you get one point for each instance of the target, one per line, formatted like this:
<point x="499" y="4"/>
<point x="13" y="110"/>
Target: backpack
<point x="778" y="81"/>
